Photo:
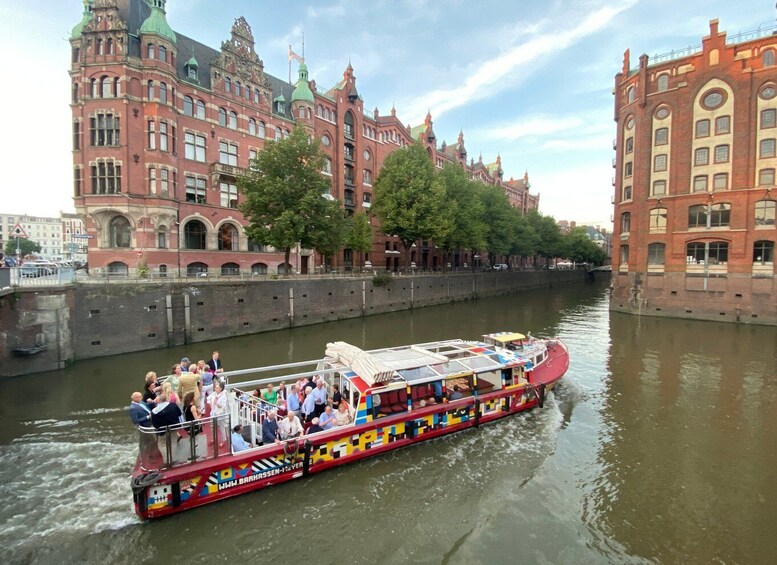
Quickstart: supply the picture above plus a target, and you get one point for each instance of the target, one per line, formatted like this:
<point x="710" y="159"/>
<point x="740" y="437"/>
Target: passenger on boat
<point x="336" y="396"/>
<point x="375" y="405"/>
<point x="292" y="402"/>
<point x="190" y="382"/>
<point x="151" y="389"/>
<point x="282" y="393"/>
<point x="309" y="405"/>
<point x="167" y="388"/>
<point x="219" y="407"/>
<point x="191" y="413"/>
<point x="343" y="415"/>
<point x="207" y="385"/>
<point x="184" y="364"/>
<point x="270" y="395"/>
<point x="314" y="427"/>
<point x="270" y="432"/>
<point x="215" y="363"/>
<point x="140" y="414"/>
<point x="238" y="443"/>
<point x="166" y="414"/>
<point x="456" y="394"/>
<point x="327" y="418"/>
<point x="290" y="427"/>
<point x="319" y="398"/>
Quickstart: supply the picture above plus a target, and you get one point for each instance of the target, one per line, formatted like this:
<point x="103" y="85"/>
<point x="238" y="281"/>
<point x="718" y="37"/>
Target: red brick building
<point x="163" y="125"/>
<point x="694" y="185"/>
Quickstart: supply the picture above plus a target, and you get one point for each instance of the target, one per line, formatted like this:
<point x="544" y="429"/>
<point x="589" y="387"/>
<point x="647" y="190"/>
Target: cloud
<point x="333" y="11"/>
<point x="494" y="75"/>
<point x="565" y="192"/>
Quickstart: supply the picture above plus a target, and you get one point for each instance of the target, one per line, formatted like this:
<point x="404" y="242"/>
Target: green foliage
<point x="284" y="195"/>
<point x="381" y="279"/>
<point x="359" y="233"/>
<point x="26" y="247"/>
<point x="330" y="232"/>
<point x="548" y="234"/>
<point x="409" y="199"/>
<point x="498" y="218"/>
<point x="462" y="210"/>
<point x="579" y="248"/>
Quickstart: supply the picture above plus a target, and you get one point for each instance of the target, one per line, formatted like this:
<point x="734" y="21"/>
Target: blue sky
<point x="528" y="79"/>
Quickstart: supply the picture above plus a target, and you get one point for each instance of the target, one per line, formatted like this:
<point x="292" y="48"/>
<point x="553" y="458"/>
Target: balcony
<point x="226" y="170"/>
<point x="349" y="181"/>
<point x="613" y="162"/>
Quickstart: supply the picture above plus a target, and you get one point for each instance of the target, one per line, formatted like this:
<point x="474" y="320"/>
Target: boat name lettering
<point x="259" y="476"/>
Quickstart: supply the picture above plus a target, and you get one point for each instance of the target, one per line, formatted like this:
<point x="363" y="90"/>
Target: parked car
<point x="500" y="267"/>
<point x="33" y="269"/>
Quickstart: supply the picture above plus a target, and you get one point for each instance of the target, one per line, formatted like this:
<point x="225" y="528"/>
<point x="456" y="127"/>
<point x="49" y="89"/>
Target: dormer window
<point x="191" y="72"/>
<point x="280" y="107"/>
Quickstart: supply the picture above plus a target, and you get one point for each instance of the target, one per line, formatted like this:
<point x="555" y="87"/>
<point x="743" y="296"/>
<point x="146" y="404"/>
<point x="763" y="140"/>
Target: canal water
<point x="659" y="447"/>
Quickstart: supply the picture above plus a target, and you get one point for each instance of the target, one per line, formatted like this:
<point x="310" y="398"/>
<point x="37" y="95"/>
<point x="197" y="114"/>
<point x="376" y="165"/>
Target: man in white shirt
<point x="290" y="427"/>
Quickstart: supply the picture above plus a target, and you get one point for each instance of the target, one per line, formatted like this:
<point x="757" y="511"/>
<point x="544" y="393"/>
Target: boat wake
<point x="54" y="487"/>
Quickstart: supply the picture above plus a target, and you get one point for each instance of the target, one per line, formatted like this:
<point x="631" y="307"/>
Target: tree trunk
<point x="286" y="259"/>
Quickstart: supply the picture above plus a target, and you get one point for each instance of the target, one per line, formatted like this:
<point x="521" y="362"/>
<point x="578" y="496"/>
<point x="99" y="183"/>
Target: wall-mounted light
<point x="135" y="112"/>
<point x="136" y="158"/>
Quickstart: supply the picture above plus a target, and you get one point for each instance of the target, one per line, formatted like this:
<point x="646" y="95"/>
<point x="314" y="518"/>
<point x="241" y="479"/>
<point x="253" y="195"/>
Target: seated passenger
<point x="238" y="443"/>
<point x="343" y="415"/>
<point x="270" y="395"/>
<point x="327" y="418"/>
<point x="270" y="431"/>
<point x="336" y="396"/>
<point x="314" y="427"/>
<point x="456" y="394"/>
<point x="290" y="427"/>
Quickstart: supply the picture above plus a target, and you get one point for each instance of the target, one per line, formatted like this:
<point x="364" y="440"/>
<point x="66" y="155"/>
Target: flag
<point x="294" y="57"/>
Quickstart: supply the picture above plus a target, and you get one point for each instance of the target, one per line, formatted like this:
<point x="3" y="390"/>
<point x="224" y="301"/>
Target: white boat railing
<point x="184" y="443"/>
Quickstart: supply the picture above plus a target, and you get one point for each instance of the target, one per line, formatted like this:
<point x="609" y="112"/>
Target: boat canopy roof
<point x="504" y="337"/>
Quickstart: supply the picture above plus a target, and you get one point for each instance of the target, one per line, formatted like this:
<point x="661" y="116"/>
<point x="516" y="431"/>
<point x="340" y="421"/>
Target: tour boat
<point x="394" y="397"/>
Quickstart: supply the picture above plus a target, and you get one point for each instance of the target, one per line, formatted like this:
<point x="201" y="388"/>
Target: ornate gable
<point x="238" y="59"/>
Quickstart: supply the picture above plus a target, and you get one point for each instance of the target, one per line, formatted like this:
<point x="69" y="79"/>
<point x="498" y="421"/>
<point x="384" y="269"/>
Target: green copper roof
<point x="302" y="88"/>
<point x="76" y="33"/>
<point x="416" y="132"/>
<point x="156" y="23"/>
<point x="192" y="62"/>
<point x="280" y="99"/>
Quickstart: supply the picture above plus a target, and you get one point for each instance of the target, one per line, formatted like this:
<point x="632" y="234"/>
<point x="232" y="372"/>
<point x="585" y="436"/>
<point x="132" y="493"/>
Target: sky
<point x="530" y="80"/>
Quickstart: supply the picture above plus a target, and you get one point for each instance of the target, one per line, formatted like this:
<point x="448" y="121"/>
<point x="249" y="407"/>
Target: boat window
<point x="388" y="403"/>
<point x="488" y="381"/>
<point x="417" y="374"/>
<point x="478" y="362"/>
<point x="449" y="368"/>
<point x="464" y="385"/>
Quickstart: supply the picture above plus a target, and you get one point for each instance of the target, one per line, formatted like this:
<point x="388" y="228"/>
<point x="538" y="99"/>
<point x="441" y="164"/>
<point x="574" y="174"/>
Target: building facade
<point x="163" y="126"/>
<point x="61" y="238"/>
<point x="694" y="184"/>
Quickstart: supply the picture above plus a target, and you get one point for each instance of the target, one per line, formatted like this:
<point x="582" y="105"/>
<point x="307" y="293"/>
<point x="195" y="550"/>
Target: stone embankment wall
<point x="90" y="320"/>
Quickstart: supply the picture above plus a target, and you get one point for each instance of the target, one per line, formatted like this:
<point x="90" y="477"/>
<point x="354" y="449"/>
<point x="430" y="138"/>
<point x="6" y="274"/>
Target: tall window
<point x="327" y="166"/>
<point x="201" y="109"/>
<point x="721" y="153"/>
<point x="700" y="183"/>
<point x="629" y="144"/>
<point x="228" y="238"/>
<point x="697" y="216"/>
<point x="161" y="243"/>
<point x="188" y="106"/>
<point x="260" y="131"/>
<point x="228" y="84"/>
<point x="663" y="82"/>
<point x="151" y="90"/>
<point x="624" y="254"/>
<point x="232" y="122"/>
<point x="278" y="133"/>
<point x="720" y="215"/>
<point x="768" y="118"/>
<point x="119" y="231"/>
<point x="163" y="93"/>
<point x="630" y="94"/>
<point x="627" y="169"/>
<point x="222" y="117"/>
<point x="656" y="253"/>
<point x="151" y="134"/>
<point x="720" y="181"/>
<point x="659" y="163"/>
<point x="626" y="222"/>
<point x="76" y="181"/>
<point x="659" y="188"/>
<point x="237" y="88"/>
<point x="164" y="181"/>
<point x="106" y="87"/>
<point x="367" y="177"/>
<point x="76" y="93"/>
<point x="703" y="128"/>
<point x="151" y="51"/>
<point x="766" y="177"/>
<point x="195" y="234"/>
<point x="766" y="149"/>
<point x="349" y="131"/>
<point x="767" y="59"/>
<point x="163" y="53"/>
<point x="194" y="147"/>
<point x="195" y="189"/>
<point x="627" y="192"/>
<point x="701" y="156"/>
<point x="106" y="177"/>
<point x="657" y="220"/>
<point x="98" y="46"/>
<point x="722" y="125"/>
<point x="251" y="126"/>
<point x="163" y="136"/>
<point x="76" y="135"/>
<point x="662" y="136"/>
<point x="765" y="212"/>
<point x="152" y="180"/>
<point x="227" y="153"/>
<point x="763" y="252"/>
<point x="228" y="194"/>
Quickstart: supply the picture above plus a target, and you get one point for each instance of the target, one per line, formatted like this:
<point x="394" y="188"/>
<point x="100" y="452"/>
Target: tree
<point x="524" y="240"/>
<point x="464" y="210"/>
<point x="545" y="227"/>
<point x="497" y="219"/>
<point x="284" y="191"/>
<point x="26" y="247"/>
<point x="359" y="237"/>
<point x="331" y="231"/>
<point x="579" y="248"/>
<point x="408" y="197"/>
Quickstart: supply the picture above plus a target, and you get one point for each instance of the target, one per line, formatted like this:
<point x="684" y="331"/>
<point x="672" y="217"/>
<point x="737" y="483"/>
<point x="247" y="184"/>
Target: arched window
<point x="626" y="222"/>
<point x="201" y="109"/>
<point x="98" y="46"/>
<point x="163" y="93"/>
<point x="257" y="98"/>
<point x="258" y="269"/>
<point x="188" y="106"/>
<point x="151" y="51"/>
<point x="163" y="53"/>
<point x="657" y="220"/>
<point x="284" y="268"/>
<point x="251" y="126"/>
<point x="765" y="212"/>
<point x="109" y="46"/>
<point x="656" y="253"/>
<point x="195" y="234"/>
<point x="230" y="269"/>
<point x="663" y="82"/>
<point x="278" y="133"/>
<point x="228" y="238"/>
<point x="94" y="88"/>
<point x="119" y="231"/>
<point x="630" y="93"/>
<point x="232" y="123"/>
<point x="624" y="254"/>
<point x="228" y="84"/>
<point x="261" y="130"/>
<point x="75" y="93"/>
<point x="116" y="87"/>
<point x="118" y="268"/>
<point x="196" y="269"/>
<point x="237" y="88"/>
<point x="767" y="60"/>
<point x="151" y="90"/>
<point x="106" y="89"/>
<point x="349" y="132"/>
<point x="763" y="252"/>
<point x="222" y="117"/>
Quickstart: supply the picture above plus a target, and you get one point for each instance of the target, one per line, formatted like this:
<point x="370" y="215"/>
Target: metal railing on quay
<point x="39" y="276"/>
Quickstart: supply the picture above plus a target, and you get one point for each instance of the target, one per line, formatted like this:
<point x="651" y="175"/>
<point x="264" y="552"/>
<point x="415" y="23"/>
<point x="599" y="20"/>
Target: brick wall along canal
<point x="658" y="447"/>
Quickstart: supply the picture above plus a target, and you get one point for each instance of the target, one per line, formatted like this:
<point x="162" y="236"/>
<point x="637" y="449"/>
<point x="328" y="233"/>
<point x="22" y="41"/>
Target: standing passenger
<point x="215" y="363"/>
<point x="219" y="407"/>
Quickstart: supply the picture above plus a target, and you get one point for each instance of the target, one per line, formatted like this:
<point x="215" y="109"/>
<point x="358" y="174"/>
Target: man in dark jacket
<point x="270" y="429"/>
<point x="166" y="414"/>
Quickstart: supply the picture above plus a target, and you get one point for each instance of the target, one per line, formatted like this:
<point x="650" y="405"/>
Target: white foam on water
<point x="98" y="411"/>
<point x="59" y="488"/>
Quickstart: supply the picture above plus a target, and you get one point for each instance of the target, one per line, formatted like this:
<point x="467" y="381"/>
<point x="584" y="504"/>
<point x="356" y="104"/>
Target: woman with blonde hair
<point x="167" y="388"/>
